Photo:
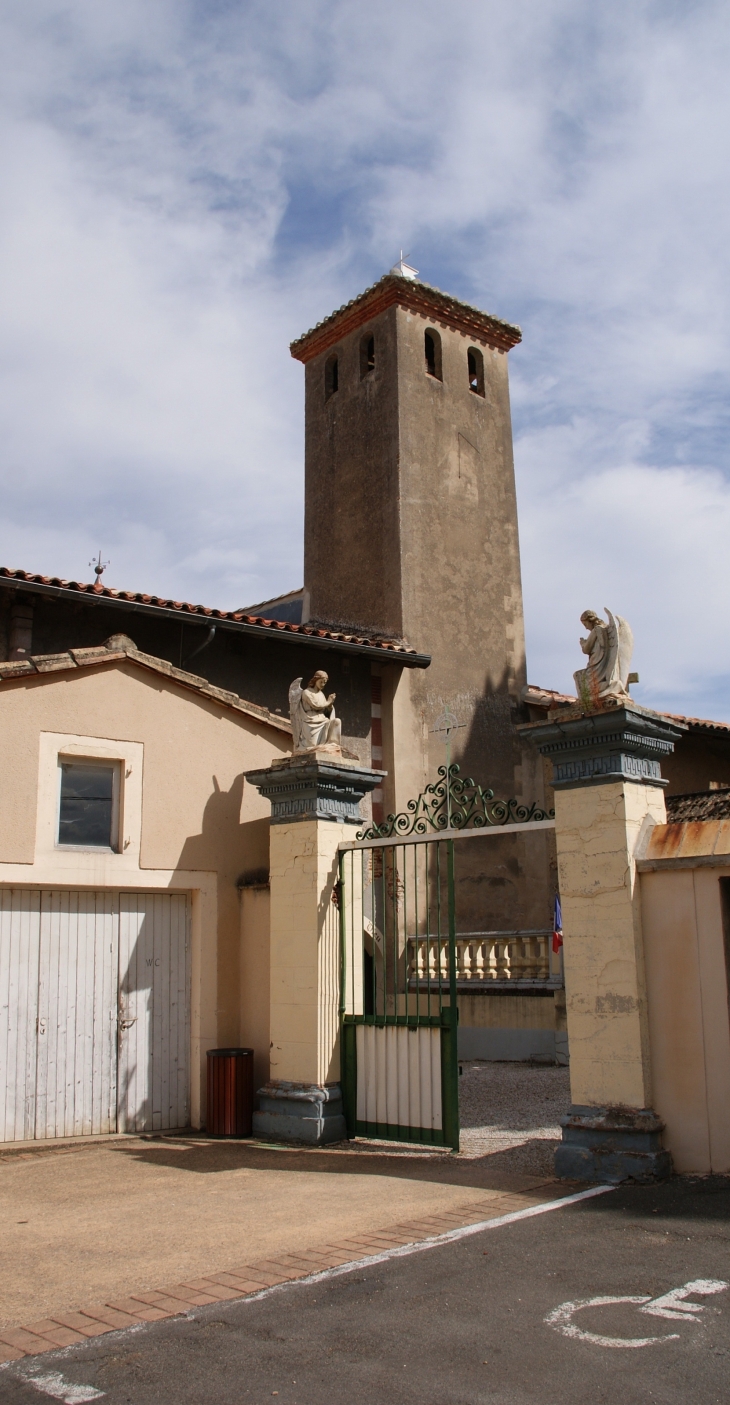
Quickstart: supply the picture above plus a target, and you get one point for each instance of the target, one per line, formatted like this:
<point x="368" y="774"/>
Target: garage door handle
<point x="127" y="1024"/>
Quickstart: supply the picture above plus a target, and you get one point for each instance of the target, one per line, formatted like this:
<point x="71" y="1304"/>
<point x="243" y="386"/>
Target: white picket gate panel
<point x="399" y="1075"/>
<point x="75" y="1090"/>
<point x="94" y="1012"/>
<point x="154" y="1012"/>
<point x="19" y="950"/>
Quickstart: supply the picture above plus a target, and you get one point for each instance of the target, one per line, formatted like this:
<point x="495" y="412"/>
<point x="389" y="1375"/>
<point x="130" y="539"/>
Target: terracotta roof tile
<point x="548" y="698"/>
<point x="254" y="623"/>
<point x="703" y="805"/>
<point x="698" y="724"/>
<point x="412" y="293"/>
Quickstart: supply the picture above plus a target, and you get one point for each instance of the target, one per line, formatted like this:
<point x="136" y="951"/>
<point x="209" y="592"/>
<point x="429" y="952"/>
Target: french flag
<point x="557" y="926"/>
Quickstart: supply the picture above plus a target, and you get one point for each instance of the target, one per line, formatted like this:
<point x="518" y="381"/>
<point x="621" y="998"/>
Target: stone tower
<point x="411" y="520"/>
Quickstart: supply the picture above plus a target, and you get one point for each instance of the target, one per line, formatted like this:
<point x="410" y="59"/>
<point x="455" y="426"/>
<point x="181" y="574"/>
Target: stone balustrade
<point x="484" y="957"/>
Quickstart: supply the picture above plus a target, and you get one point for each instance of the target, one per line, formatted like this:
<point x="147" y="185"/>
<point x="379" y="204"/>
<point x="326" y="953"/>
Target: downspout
<point x="210" y="636"/>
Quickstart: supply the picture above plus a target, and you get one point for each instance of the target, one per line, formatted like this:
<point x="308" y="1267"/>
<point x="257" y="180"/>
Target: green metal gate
<point x="399" y="1058"/>
<point x="398" y="990"/>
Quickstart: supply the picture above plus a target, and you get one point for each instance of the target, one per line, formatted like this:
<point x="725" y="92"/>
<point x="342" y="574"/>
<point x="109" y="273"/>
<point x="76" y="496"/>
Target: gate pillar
<point x="608" y="792"/>
<point x="315" y="801"/>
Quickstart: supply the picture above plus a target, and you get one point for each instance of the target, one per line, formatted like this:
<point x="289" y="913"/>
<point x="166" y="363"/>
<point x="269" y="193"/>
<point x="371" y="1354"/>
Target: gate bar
<point x="436" y="834"/>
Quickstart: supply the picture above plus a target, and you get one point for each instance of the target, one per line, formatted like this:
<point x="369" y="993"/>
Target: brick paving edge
<point x="228" y="1285"/>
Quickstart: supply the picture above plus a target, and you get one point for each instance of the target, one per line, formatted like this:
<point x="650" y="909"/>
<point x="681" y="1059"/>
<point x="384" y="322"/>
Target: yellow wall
<point x="188" y="820"/>
<point x="305" y="951"/>
<point x="486" y="1011"/>
<point x="599" y="829"/>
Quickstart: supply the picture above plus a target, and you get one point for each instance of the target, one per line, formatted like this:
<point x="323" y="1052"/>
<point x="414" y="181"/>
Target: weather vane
<point x="446" y="725"/>
<point x="99" y="569"/>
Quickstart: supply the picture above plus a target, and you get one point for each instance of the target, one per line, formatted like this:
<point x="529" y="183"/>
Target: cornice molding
<point x="427" y="302"/>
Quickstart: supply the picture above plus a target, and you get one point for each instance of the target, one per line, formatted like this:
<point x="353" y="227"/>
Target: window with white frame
<point x="88" y="809"/>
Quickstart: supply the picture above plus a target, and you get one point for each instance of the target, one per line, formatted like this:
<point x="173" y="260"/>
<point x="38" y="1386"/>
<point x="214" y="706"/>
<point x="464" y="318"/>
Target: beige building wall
<point x="188" y="822"/>
<point x="687" y="996"/>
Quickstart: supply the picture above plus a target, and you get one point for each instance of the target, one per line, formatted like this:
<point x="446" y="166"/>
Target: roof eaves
<point x="548" y="698"/>
<point x="412" y="293"/>
<point x="54" y="587"/>
<point x="698" y="724"/>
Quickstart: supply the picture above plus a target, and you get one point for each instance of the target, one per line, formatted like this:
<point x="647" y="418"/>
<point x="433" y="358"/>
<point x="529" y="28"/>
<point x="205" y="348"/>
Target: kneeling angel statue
<point x="609" y="646"/>
<point x="314" y="723"/>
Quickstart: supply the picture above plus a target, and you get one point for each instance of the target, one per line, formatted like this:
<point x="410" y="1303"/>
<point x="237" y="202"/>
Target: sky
<point x="186" y="187"/>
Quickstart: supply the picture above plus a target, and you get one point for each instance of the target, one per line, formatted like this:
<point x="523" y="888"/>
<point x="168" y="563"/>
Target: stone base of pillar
<point x="612" y="1144"/>
<point x="300" y="1112"/>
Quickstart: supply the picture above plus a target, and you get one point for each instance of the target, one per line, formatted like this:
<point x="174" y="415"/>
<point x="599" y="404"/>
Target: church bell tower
<point x="411" y="519"/>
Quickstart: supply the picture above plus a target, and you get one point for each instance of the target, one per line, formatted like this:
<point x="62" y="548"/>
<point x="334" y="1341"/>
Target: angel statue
<point x="609" y="647"/>
<point x="313" y="720"/>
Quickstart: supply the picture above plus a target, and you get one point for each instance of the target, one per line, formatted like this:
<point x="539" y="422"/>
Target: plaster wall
<point x="186" y="818"/>
<point x="697" y="759"/>
<point x="687" y="988"/>
<point x="305" y="951"/>
<point x="504" y="1011"/>
<point x="521" y="1026"/>
<point x="598" y="831"/>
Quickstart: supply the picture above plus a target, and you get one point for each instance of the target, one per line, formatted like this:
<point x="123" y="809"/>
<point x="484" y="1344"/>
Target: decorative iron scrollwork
<point x="453" y="802"/>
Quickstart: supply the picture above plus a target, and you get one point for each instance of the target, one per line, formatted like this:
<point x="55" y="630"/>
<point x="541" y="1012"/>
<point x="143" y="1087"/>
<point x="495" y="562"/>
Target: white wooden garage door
<point x="94" y="1012"/>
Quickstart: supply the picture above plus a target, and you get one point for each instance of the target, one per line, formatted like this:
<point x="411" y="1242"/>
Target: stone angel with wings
<point x="314" y="723"/>
<point x="609" y="646"/>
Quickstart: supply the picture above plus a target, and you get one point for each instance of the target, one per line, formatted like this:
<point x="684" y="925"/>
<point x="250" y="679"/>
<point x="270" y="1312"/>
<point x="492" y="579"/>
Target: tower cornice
<point x="421" y="298"/>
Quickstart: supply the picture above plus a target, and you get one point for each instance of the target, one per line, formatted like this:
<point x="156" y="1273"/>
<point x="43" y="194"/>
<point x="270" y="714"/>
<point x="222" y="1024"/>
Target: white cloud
<point x="188" y="187"/>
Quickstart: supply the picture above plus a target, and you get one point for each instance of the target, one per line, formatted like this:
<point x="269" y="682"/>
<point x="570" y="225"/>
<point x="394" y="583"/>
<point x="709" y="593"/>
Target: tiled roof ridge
<point x="274" y="599"/>
<point x="697" y="721"/>
<point x="532" y="692"/>
<point x="411" y="290"/>
<point x="205" y="611"/>
<point x="35" y="664"/>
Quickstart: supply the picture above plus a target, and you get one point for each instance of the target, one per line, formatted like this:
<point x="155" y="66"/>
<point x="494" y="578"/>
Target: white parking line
<point x="448" y="1237"/>
<point x="52" y="1383"/>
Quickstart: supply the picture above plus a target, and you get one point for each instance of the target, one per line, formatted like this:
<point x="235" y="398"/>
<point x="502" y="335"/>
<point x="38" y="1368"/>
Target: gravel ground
<point x="512" y="1111"/>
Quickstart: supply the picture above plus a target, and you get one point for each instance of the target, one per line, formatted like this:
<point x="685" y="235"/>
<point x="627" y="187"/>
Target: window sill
<point x="85" y="849"/>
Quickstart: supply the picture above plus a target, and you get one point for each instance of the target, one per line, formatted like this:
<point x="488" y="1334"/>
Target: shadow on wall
<point x="153" y="1077"/>
<point x="154" y="963"/>
<point x="504" y="884"/>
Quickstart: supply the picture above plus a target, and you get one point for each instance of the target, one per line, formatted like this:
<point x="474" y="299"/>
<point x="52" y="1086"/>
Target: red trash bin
<point x="230" y="1093"/>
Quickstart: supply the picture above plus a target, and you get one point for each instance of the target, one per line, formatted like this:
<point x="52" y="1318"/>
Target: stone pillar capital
<point x="597" y="748"/>
<point x="312" y="786"/>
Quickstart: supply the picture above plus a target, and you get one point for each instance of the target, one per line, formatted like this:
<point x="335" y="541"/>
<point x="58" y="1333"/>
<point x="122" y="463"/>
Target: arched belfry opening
<point x="475" y="368"/>
<point x="331" y="376"/>
<point x="432" y="350"/>
<point x="367" y="355"/>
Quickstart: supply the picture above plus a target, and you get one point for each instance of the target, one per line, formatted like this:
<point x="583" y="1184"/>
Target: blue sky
<point x="187" y="187"/>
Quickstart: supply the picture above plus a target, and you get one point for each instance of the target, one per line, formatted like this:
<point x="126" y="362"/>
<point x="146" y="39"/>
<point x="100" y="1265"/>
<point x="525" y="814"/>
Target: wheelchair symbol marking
<point x="672" y="1306"/>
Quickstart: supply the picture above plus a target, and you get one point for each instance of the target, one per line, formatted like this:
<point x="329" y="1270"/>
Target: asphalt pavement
<point x="506" y="1315"/>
